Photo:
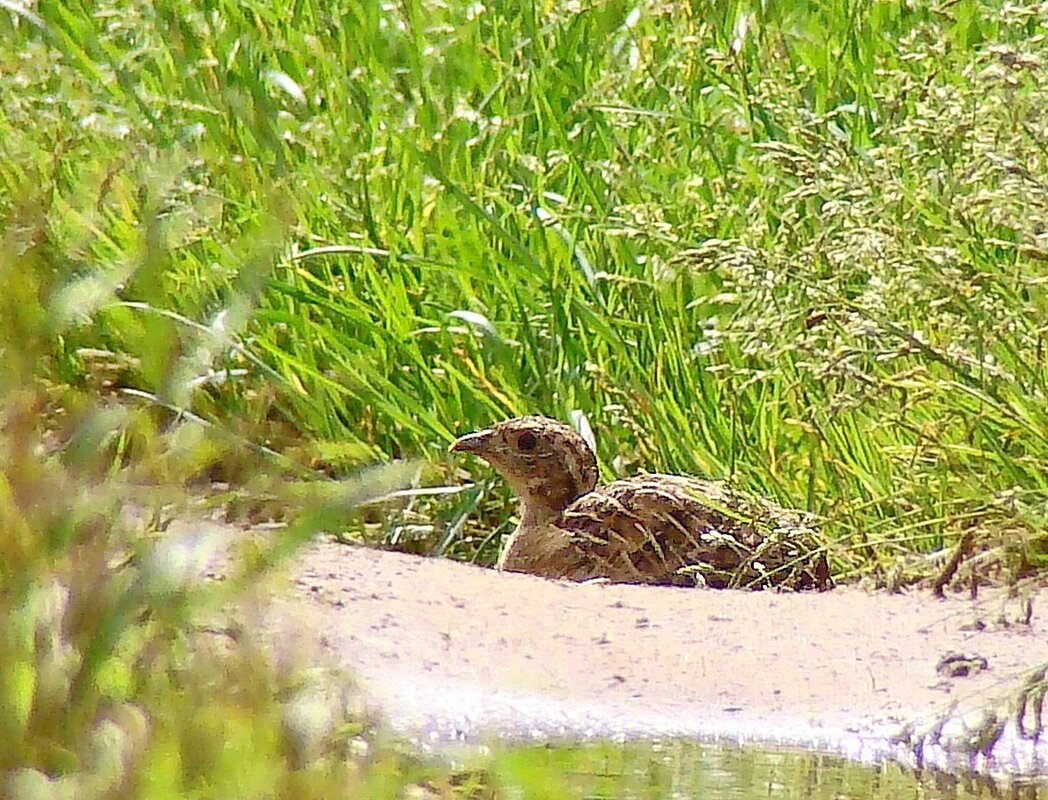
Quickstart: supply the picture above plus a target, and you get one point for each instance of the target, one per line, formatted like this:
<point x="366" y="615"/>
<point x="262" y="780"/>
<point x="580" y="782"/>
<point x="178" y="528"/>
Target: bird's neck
<point x="539" y="512"/>
<point x="544" y="497"/>
<point x="538" y="543"/>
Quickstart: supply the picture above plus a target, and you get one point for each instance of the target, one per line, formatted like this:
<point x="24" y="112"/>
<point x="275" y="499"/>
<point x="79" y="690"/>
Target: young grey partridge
<point x="659" y="529"/>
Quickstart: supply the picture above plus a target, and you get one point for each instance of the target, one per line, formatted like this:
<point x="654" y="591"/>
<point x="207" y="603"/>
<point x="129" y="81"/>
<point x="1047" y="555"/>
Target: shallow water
<point x="717" y="772"/>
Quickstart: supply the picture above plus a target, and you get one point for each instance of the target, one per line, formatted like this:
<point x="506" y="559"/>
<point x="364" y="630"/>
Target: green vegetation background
<point x="800" y="245"/>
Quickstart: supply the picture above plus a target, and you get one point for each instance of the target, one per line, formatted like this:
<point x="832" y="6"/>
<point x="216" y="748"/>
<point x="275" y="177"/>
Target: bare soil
<point x="448" y="651"/>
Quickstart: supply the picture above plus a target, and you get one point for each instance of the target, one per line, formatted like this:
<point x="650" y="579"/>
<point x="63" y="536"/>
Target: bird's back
<point x="669" y="529"/>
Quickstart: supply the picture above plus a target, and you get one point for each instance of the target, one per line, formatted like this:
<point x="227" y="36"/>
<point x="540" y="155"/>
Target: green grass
<point x="799" y="245"/>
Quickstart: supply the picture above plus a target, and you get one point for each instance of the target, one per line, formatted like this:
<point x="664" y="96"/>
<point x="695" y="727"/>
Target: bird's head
<point x="546" y="463"/>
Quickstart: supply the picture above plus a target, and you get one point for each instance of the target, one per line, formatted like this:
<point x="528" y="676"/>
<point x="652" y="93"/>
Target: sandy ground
<point x="448" y="651"/>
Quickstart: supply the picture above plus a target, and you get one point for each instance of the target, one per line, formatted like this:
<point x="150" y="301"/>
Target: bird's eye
<point x="526" y="441"/>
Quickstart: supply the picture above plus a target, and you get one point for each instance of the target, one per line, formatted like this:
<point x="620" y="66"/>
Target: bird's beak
<point x="473" y="442"/>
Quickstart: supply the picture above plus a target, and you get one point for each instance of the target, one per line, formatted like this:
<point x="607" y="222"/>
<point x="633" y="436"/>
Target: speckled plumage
<point x="658" y="529"/>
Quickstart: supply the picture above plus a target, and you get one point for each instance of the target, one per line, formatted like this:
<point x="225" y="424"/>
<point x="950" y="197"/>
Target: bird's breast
<point x="541" y="549"/>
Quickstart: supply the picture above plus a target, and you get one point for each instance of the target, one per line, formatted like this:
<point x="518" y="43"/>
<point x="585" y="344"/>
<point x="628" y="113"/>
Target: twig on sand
<point x="964" y="548"/>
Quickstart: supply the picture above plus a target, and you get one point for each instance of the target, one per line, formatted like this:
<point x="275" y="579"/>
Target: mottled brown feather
<point x="656" y="529"/>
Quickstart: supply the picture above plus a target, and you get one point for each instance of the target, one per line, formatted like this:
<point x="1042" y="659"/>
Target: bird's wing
<point x="675" y="530"/>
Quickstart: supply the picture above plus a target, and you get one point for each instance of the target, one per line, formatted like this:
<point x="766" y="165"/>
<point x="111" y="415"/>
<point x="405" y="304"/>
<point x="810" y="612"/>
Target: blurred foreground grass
<point x="800" y="245"/>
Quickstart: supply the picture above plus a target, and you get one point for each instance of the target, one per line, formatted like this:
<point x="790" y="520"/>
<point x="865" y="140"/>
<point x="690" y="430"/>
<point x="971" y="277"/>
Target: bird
<point x="648" y="529"/>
